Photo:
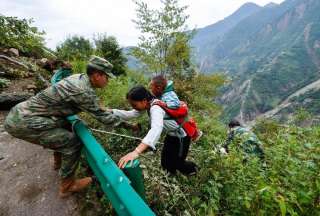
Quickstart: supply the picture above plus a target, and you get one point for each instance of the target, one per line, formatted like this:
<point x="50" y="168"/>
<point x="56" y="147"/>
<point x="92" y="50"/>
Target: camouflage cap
<point x="101" y="64"/>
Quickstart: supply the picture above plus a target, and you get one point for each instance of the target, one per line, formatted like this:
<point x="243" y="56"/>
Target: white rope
<point x="116" y="134"/>
<point x="137" y="138"/>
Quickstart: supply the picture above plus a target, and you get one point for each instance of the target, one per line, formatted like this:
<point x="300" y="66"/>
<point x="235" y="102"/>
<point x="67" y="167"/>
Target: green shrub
<point x="19" y="34"/>
<point x="108" y="48"/>
<point x="79" y="66"/>
<point x="75" y="48"/>
<point x="4" y="83"/>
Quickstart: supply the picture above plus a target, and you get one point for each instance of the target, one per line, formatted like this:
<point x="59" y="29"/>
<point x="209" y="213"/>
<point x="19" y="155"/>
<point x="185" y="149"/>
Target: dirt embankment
<point x="28" y="183"/>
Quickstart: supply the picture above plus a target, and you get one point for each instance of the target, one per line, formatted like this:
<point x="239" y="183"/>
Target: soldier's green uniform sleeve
<point x="89" y="102"/>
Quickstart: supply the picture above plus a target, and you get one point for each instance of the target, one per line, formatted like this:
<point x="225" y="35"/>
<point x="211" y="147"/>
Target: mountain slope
<point x="208" y="37"/>
<point x="277" y="49"/>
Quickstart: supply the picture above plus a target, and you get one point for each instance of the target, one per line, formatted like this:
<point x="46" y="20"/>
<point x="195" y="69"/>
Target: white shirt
<point x="159" y="121"/>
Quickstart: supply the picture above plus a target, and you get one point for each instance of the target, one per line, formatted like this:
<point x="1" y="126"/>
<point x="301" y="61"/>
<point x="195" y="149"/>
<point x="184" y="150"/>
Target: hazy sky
<point x="62" y="18"/>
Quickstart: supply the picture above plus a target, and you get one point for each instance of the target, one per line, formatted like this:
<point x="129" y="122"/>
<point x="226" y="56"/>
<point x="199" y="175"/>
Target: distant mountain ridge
<point x="270" y="54"/>
<point x="208" y="37"/>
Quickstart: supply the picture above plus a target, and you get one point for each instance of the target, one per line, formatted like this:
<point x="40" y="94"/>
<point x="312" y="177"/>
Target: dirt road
<point x="28" y="184"/>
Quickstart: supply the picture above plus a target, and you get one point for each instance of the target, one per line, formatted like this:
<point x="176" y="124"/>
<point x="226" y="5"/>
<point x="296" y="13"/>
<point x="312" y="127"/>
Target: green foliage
<point x="267" y="128"/>
<point x="78" y="49"/>
<point x="301" y="115"/>
<point x="75" y="48"/>
<point x="179" y="55"/>
<point x="200" y="97"/>
<point x="19" y="34"/>
<point x="108" y="48"/>
<point x="79" y="66"/>
<point x="287" y="184"/>
<point x="164" y="43"/>
<point x="4" y="83"/>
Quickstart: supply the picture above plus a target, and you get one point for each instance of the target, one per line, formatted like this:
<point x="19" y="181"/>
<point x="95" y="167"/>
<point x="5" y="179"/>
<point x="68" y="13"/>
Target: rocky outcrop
<point x="20" y="78"/>
<point x="8" y="100"/>
<point x="13" y="52"/>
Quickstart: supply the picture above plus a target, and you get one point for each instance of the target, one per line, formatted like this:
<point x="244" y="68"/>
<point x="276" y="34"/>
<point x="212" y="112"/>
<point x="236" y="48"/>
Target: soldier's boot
<point x="70" y="185"/>
<point x="56" y="160"/>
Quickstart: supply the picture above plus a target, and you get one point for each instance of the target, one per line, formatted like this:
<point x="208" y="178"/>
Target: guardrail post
<point x="134" y="173"/>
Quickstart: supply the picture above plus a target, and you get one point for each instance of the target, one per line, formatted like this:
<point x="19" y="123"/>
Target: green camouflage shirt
<point x="246" y="140"/>
<point x="67" y="97"/>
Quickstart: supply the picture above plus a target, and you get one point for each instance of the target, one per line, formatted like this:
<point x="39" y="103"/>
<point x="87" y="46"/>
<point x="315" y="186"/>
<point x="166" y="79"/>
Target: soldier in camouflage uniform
<point x="245" y="139"/>
<point x="41" y="119"/>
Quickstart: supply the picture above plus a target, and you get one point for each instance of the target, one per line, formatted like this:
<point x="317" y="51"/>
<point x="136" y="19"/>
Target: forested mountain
<point x="208" y="37"/>
<point x="270" y="54"/>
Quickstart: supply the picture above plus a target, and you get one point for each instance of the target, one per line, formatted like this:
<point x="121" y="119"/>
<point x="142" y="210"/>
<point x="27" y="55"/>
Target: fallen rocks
<point x="8" y="100"/>
<point x="13" y="52"/>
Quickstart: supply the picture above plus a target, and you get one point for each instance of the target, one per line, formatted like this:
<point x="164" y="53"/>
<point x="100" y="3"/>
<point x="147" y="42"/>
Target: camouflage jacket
<point x="67" y="97"/>
<point x="246" y="140"/>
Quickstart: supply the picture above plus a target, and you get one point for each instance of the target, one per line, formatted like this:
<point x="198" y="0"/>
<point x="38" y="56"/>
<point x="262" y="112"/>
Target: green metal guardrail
<point x="114" y="182"/>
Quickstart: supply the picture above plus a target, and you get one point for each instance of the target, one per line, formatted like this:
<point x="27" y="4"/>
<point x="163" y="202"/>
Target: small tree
<point x="178" y="57"/>
<point x="164" y="43"/>
<point x="75" y="48"/>
<point x="165" y="48"/>
<point x="108" y="48"/>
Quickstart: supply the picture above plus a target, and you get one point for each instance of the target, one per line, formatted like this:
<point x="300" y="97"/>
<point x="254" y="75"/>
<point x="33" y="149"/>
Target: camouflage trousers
<point x="49" y="133"/>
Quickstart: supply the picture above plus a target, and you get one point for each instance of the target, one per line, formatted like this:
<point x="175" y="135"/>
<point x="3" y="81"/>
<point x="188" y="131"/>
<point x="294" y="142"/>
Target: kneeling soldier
<point x="41" y="119"/>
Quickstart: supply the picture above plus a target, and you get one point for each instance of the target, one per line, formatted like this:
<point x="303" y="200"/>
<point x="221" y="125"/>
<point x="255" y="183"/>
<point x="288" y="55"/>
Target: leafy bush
<point x="79" y="66"/>
<point x="108" y="48"/>
<point x="75" y="48"/>
<point x="19" y="34"/>
<point x="4" y="83"/>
